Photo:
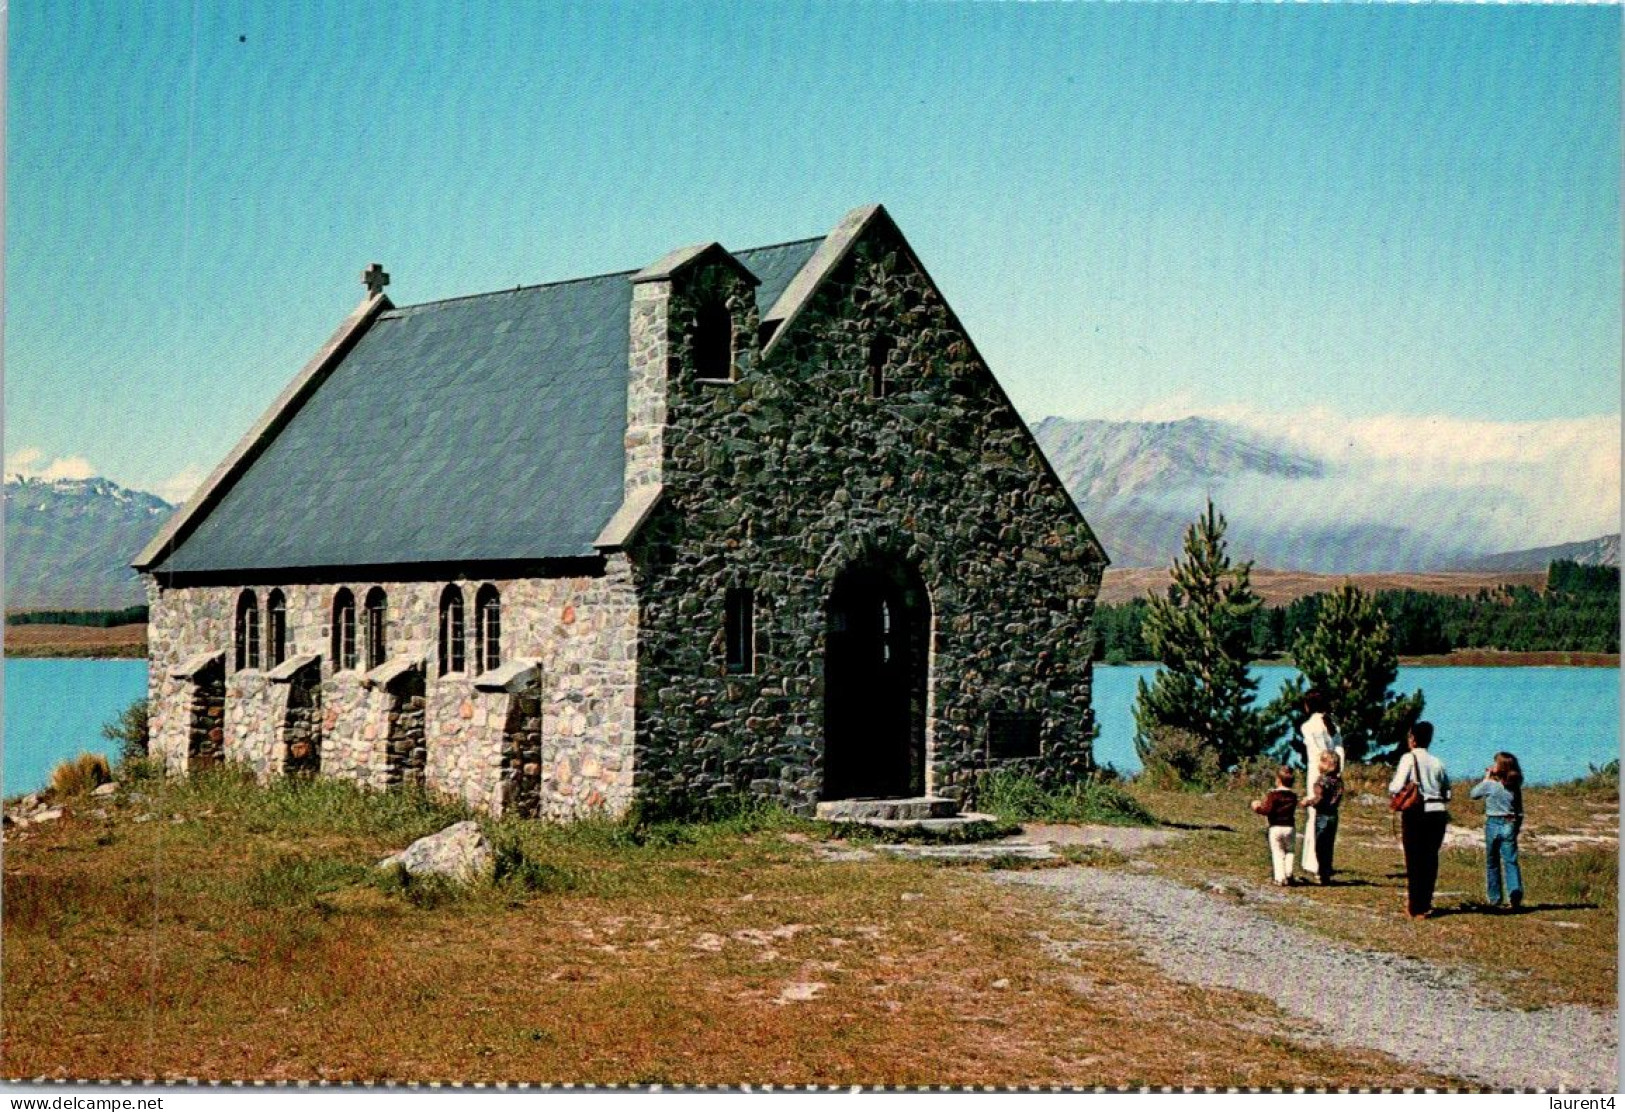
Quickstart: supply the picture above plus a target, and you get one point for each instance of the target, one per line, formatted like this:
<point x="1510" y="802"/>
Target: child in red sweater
<point x="1279" y="808"/>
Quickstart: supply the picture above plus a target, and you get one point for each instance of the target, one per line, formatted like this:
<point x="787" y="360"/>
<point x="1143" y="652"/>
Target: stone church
<point x="755" y="521"/>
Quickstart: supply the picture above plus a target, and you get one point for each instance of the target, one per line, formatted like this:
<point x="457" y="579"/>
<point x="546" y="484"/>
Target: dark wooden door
<point x="870" y="703"/>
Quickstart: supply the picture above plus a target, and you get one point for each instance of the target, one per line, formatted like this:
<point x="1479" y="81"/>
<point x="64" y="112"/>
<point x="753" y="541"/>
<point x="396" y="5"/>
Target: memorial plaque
<point x="1012" y="734"/>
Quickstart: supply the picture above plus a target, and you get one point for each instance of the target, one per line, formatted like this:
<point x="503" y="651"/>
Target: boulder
<point x="459" y="852"/>
<point x="105" y="789"/>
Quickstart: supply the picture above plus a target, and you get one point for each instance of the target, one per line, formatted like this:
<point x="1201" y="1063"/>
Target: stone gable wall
<point x="781" y="479"/>
<point x="581" y="630"/>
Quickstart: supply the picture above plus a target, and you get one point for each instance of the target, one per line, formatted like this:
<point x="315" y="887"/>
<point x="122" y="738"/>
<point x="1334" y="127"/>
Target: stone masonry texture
<point x="781" y="479"/>
<point x="561" y="751"/>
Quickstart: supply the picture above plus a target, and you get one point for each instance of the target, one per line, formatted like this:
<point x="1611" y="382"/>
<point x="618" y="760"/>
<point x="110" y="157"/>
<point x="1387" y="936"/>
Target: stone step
<point x="911" y="810"/>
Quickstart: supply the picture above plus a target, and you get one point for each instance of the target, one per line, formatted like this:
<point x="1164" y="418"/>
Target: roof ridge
<point x="512" y="289"/>
<point x="773" y="246"/>
<point x="399" y="309"/>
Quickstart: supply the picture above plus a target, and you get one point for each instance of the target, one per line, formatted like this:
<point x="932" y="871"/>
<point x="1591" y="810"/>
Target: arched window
<point x="377" y="614"/>
<point x="488" y="612"/>
<point x="880" y="349"/>
<point x="248" y="631"/>
<point x="451" y="630"/>
<point x="714" y="342"/>
<point x="276" y="629"/>
<point x="343" y="630"/>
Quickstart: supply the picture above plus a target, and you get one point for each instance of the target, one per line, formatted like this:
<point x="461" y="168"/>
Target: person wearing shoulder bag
<point x="1421" y="828"/>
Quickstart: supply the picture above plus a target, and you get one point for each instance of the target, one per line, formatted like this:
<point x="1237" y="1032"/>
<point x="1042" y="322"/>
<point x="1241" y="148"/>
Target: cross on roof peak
<point x="375" y="279"/>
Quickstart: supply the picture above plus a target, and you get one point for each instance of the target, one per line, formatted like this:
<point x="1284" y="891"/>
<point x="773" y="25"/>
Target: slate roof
<point x="481" y="428"/>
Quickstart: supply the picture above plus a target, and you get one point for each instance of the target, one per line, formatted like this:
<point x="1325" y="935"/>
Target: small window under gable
<point x="452" y="639"/>
<point x="714" y="342"/>
<point x="880" y="349"/>
<point x="377" y="617"/>
<point x="248" y="631"/>
<point x="488" y="641"/>
<point x="276" y="629"/>
<point x="343" y="630"/>
<point x="739" y="630"/>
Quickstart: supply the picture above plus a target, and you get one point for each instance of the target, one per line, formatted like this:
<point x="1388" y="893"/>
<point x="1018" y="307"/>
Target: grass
<point x="82" y="774"/>
<point x="1563" y="948"/>
<point x="243" y="932"/>
<point x="1016" y="798"/>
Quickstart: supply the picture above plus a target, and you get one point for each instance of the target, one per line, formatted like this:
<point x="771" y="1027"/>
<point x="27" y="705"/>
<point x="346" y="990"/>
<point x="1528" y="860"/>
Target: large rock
<point x="459" y="852"/>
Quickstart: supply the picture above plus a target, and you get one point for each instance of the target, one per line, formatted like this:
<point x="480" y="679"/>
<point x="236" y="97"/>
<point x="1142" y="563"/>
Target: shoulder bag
<point x="1409" y="796"/>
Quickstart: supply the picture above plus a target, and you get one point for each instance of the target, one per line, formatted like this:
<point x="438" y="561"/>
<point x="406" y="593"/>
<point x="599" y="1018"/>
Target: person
<point x="1502" y="793"/>
<point x="1279" y="808"/>
<point x="1421" y="830"/>
<point x="1321" y="828"/>
<point x="1319" y="736"/>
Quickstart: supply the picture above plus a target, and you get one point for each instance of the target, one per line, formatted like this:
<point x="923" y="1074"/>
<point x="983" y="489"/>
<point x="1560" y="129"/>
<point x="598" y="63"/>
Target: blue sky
<point x="1405" y="212"/>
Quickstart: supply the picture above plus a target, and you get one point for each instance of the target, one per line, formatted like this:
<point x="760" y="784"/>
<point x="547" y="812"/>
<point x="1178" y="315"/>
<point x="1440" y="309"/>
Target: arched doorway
<point x="876" y="662"/>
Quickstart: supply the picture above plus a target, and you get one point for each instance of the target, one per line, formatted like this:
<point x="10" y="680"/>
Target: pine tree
<point x="1201" y="633"/>
<point x="1349" y="655"/>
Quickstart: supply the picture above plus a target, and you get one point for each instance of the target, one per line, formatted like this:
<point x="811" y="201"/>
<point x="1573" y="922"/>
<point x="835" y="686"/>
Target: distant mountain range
<point x="1603" y="551"/>
<point x="69" y="543"/>
<point x="1140" y="484"/>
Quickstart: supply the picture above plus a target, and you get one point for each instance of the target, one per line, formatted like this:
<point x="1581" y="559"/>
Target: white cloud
<point x="31" y="463"/>
<point x="1485" y="485"/>
<point x="181" y="485"/>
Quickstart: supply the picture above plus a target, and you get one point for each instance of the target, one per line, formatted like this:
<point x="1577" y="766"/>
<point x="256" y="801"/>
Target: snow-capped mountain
<point x="69" y="542"/>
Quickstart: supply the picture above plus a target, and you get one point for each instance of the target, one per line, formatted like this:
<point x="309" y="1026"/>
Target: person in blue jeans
<point x="1502" y="793"/>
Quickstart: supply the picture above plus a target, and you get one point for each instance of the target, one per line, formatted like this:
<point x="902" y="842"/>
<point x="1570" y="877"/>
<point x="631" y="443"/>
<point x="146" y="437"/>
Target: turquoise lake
<point x="1558" y="721"/>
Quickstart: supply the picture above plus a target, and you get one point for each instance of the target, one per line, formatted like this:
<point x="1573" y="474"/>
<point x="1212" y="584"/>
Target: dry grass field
<point x="1277" y="588"/>
<point x="77" y="641"/>
<point x="216" y="930"/>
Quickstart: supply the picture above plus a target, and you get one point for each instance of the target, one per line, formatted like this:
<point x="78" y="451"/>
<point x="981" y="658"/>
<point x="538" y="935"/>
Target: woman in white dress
<point x="1319" y="736"/>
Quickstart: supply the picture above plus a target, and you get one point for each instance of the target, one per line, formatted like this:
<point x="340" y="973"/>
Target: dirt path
<point x="1345" y="995"/>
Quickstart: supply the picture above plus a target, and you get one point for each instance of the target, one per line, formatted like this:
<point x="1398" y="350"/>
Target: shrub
<point x="129" y="729"/>
<point x="1177" y="759"/>
<point x="80" y="775"/>
<point x="1256" y="773"/>
<point x="1015" y="797"/>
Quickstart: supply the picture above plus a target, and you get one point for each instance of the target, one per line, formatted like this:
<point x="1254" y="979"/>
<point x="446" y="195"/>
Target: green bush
<point x="1015" y="797"/>
<point x="1177" y="759"/>
<point x="129" y="730"/>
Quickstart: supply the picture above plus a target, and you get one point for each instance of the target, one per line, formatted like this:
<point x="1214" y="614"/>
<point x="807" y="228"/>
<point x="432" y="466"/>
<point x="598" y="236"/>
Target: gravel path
<point x="1350" y="996"/>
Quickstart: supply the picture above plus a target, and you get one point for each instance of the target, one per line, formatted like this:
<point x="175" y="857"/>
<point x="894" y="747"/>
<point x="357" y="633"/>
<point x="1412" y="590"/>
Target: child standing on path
<point x="1502" y="793"/>
<point x="1278" y="809"/>
<point x="1323" y="798"/>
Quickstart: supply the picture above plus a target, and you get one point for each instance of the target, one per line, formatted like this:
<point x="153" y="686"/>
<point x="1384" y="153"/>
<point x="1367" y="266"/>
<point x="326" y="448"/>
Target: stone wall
<point x="407" y="742"/>
<point x="780" y="480"/>
<point x="206" y="742"/>
<point x="579" y="629"/>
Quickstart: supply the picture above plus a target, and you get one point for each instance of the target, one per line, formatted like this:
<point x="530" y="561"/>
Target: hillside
<point x="1598" y="552"/>
<point x="69" y="542"/>
<point x="1277" y="588"/>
